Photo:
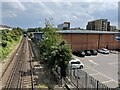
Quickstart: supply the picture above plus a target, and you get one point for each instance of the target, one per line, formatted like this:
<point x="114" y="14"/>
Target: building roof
<point x="85" y="32"/>
<point x="4" y="26"/>
<point x="97" y="20"/>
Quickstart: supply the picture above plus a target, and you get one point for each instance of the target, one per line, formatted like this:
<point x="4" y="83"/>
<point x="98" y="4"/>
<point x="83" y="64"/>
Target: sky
<point x="31" y="13"/>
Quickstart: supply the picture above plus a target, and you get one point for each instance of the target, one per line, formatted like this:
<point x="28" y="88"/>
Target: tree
<point x="53" y="49"/>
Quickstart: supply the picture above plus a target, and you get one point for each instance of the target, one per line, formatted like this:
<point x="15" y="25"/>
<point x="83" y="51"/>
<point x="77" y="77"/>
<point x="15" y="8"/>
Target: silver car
<point x="104" y="51"/>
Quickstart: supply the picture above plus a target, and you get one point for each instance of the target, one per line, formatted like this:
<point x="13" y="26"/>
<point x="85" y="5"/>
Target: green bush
<point x="4" y="43"/>
<point x="9" y="37"/>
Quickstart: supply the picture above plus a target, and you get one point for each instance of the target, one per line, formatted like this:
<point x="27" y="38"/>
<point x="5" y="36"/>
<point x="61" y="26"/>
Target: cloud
<point x="60" y="0"/>
<point x="45" y="8"/>
<point x="78" y="13"/>
<point x="17" y="5"/>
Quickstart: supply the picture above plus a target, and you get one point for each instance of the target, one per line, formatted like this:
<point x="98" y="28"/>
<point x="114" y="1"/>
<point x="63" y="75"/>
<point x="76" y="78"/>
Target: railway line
<point x="17" y="69"/>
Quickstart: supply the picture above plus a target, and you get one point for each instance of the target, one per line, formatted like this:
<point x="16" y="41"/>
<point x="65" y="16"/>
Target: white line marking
<point x="107" y="81"/>
<point x="102" y="74"/>
<point x="93" y="62"/>
<point x="94" y="74"/>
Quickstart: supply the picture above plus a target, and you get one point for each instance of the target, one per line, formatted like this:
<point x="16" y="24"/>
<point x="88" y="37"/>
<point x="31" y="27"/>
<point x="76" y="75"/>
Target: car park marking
<point x="93" y="62"/>
<point x="107" y="81"/>
<point x="94" y="74"/>
<point x="103" y="74"/>
<point x="106" y="55"/>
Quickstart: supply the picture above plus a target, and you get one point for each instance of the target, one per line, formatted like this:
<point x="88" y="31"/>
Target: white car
<point x="104" y="51"/>
<point x="76" y="64"/>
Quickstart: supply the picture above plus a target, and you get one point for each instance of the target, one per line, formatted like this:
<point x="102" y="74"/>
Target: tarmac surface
<point x="102" y="67"/>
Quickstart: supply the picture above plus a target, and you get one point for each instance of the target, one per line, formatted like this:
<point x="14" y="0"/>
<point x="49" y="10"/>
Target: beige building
<point x="98" y="25"/>
<point x="113" y="28"/>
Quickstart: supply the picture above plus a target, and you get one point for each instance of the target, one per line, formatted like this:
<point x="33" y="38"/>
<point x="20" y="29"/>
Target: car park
<point x="75" y="53"/>
<point x="75" y="64"/>
<point x="118" y="49"/>
<point x="93" y="52"/>
<point x="81" y="53"/>
<point x="104" y="51"/>
<point x="87" y="53"/>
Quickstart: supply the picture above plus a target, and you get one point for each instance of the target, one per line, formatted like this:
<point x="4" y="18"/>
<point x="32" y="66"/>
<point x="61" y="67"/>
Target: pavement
<point x="102" y="67"/>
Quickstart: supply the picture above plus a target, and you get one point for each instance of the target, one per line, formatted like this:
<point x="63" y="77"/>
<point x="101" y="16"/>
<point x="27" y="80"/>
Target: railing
<point x="80" y="79"/>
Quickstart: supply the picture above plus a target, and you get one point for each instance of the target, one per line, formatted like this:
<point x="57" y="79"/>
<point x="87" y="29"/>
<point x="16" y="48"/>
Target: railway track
<point x="12" y="57"/>
<point x="15" y="77"/>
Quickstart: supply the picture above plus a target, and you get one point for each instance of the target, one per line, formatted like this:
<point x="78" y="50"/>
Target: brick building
<point x="86" y="39"/>
<point x="64" y="26"/>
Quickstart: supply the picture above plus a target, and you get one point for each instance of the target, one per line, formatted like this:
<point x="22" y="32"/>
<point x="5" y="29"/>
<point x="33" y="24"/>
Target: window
<point x="75" y="62"/>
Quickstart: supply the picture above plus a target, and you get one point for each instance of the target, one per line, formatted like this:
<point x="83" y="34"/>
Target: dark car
<point x="118" y="49"/>
<point x="87" y="53"/>
<point x="93" y="52"/>
<point x="75" y="53"/>
<point x="81" y="53"/>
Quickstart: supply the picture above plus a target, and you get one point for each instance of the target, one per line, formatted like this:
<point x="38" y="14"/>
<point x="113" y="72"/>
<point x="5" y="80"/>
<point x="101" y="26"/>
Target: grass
<point x="41" y="86"/>
<point x="4" y="52"/>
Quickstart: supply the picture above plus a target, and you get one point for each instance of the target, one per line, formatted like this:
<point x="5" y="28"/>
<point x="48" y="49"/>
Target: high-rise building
<point x="113" y="28"/>
<point x="98" y="25"/>
<point x="64" y="26"/>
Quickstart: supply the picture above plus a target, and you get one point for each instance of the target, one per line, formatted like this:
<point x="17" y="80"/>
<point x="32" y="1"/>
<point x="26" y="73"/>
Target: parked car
<point x="87" y="53"/>
<point x="93" y="52"/>
<point x="76" y="64"/>
<point x="118" y="49"/>
<point x="81" y="53"/>
<point x="75" y="53"/>
<point x="104" y="51"/>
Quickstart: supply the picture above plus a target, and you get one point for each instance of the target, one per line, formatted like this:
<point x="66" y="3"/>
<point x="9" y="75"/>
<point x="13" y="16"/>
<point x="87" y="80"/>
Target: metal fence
<point x="81" y="79"/>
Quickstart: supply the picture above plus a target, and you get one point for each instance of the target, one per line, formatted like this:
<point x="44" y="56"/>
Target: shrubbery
<point x="4" y="43"/>
<point x="8" y="37"/>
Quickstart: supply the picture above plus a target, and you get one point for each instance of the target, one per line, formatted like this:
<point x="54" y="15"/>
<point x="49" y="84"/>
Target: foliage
<point x="4" y="44"/>
<point x="34" y="29"/>
<point x="53" y="49"/>
<point x="9" y="37"/>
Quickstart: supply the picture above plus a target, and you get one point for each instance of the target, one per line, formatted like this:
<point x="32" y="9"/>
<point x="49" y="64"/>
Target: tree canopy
<point x="53" y="49"/>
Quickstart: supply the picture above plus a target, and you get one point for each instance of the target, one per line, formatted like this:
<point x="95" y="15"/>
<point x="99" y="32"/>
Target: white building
<point x="4" y="27"/>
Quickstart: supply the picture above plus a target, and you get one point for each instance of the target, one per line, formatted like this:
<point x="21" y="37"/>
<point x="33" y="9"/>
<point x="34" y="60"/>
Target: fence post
<point x="97" y="84"/>
<point x="77" y="78"/>
<point x="86" y="79"/>
<point x="71" y="72"/>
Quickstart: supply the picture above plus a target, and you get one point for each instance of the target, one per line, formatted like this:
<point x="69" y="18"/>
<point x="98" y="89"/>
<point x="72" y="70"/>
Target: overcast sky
<point x="33" y="13"/>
